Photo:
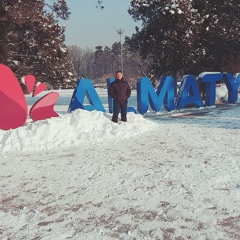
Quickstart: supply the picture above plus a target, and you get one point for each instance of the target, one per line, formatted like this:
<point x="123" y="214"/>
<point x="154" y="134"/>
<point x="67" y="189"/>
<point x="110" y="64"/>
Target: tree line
<point x="104" y="62"/>
<point x="177" y="37"/>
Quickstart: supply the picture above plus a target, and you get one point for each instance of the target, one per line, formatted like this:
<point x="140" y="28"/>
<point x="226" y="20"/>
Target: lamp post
<point x="120" y="32"/>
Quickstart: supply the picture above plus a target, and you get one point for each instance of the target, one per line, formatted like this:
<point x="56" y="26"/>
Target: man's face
<point x="119" y="75"/>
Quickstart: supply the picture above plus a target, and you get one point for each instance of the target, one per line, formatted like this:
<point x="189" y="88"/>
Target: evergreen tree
<point x="219" y="34"/>
<point x="32" y="42"/>
<point x="116" y="56"/>
<point x="187" y="36"/>
<point x="99" y="61"/>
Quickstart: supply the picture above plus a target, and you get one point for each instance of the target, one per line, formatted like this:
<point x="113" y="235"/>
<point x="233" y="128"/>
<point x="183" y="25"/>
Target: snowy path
<point x="179" y="180"/>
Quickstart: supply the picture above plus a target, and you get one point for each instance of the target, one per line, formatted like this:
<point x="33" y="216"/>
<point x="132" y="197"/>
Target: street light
<point x="120" y="32"/>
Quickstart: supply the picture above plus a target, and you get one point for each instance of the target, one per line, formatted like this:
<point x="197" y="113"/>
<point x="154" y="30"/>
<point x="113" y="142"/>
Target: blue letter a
<point x="85" y="88"/>
<point x="188" y="93"/>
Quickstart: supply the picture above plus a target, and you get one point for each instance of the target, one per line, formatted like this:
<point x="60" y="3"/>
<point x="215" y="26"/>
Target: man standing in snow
<point x="120" y="91"/>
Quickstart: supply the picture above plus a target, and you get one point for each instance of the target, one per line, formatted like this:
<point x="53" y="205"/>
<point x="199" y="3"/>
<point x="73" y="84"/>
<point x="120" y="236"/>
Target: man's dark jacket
<point x="119" y="90"/>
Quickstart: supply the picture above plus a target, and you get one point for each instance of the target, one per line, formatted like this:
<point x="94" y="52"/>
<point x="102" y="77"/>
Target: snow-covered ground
<point x="162" y="176"/>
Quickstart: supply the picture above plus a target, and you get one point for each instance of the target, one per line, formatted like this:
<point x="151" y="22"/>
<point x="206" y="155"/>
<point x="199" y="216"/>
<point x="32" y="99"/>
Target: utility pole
<point x="120" y="32"/>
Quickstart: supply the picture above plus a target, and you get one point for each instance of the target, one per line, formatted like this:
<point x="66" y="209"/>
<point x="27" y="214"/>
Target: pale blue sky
<point x="89" y="26"/>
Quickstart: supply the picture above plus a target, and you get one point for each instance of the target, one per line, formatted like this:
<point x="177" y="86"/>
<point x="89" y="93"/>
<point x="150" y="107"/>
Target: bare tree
<point x="83" y="61"/>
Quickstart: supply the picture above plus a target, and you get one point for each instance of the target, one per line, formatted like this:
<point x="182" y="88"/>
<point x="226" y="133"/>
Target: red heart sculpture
<point x="39" y="88"/>
<point x="13" y="105"/>
<point x="43" y="108"/>
<point x="29" y="81"/>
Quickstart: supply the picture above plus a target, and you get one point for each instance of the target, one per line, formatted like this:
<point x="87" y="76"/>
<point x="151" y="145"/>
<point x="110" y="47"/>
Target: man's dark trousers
<point x="119" y="106"/>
